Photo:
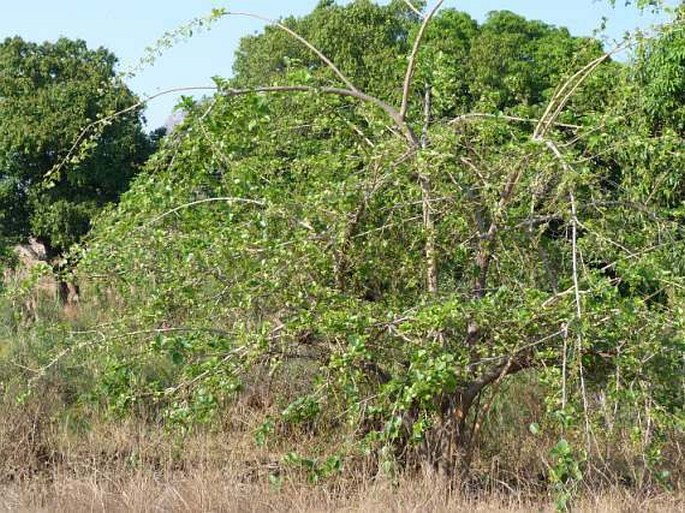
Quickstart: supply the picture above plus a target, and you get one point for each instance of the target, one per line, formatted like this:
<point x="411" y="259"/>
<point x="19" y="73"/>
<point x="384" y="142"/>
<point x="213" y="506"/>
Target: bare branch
<point x="411" y="67"/>
<point x="576" y="287"/>
<point x="427" y="116"/>
<point x="413" y="8"/>
<point x="566" y="91"/>
<point x="302" y="40"/>
<point x="426" y="192"/>
<point x="511" y="366"/>
<point x="206" y="200"/>
<point x="351" y="91"/>
<point x="389" y="110"/>
<point x="574" y="227"/>
<point x="482" y="115"/>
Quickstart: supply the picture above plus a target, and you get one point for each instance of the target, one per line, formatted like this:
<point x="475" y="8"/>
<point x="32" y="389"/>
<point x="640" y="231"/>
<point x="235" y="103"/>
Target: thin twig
<point x="225" y="199"/>
<point x="204" y="374"/>
<point x="104" y="121"/>
<point x="484" y="115"/>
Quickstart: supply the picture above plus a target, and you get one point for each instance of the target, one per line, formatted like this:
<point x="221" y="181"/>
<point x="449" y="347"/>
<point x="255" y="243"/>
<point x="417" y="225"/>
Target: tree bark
<point x="426" y="197"/>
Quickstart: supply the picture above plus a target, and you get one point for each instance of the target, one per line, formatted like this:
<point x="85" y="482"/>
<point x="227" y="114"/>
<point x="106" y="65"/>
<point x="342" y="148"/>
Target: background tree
<point x="49" y="93"/>
<point x="367" y="41"/>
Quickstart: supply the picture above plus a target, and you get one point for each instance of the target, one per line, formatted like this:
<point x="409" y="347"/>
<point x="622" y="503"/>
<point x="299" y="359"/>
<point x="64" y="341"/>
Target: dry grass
<point x="50" y="462"/>
<point x="111" y="466"/>
<point x="218" y="491"/>
<point x="130" y="468"/>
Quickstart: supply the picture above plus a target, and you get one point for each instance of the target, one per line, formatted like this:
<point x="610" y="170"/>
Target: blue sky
<point x="127" y="27"/>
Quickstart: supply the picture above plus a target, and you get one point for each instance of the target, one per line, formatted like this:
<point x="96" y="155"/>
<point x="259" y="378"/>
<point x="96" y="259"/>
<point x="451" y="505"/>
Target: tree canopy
<point x="49" y="94"/>
<point x="506" y="63"/>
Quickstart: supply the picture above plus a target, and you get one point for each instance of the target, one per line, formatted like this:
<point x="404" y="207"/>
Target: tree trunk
<point x="67" y="290"/>
<point x="450" y="446"/>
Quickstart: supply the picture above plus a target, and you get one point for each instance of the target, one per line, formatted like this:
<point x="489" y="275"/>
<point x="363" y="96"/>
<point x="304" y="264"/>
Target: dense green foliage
<point x="50" y="93"/>
<point x="507" y="63"/>
<point x="392" y="253"/>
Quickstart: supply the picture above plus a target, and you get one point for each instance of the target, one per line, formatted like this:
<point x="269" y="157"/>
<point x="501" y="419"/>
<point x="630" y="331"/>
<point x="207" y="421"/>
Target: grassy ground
<point x="126" y="467"/>
<point x="215" y="491"/>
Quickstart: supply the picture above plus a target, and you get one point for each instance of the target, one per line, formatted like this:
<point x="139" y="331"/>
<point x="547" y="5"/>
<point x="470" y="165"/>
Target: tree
<point x="367" y="42"/>
<point x="661" y="72"/>
<point x="50" y="93"/>
<point x="399" y="264"/>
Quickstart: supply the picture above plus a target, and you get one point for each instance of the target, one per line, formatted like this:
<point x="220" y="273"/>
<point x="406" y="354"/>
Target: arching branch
<point x="387" y="108"/>
<point x="413" y="8"/>
<point x="397" y="117"/>
<point x="566" y="91"/>
<point x="302" y="40"/>
<point x="411" y="66"/>
<point x="108" y="119"/>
